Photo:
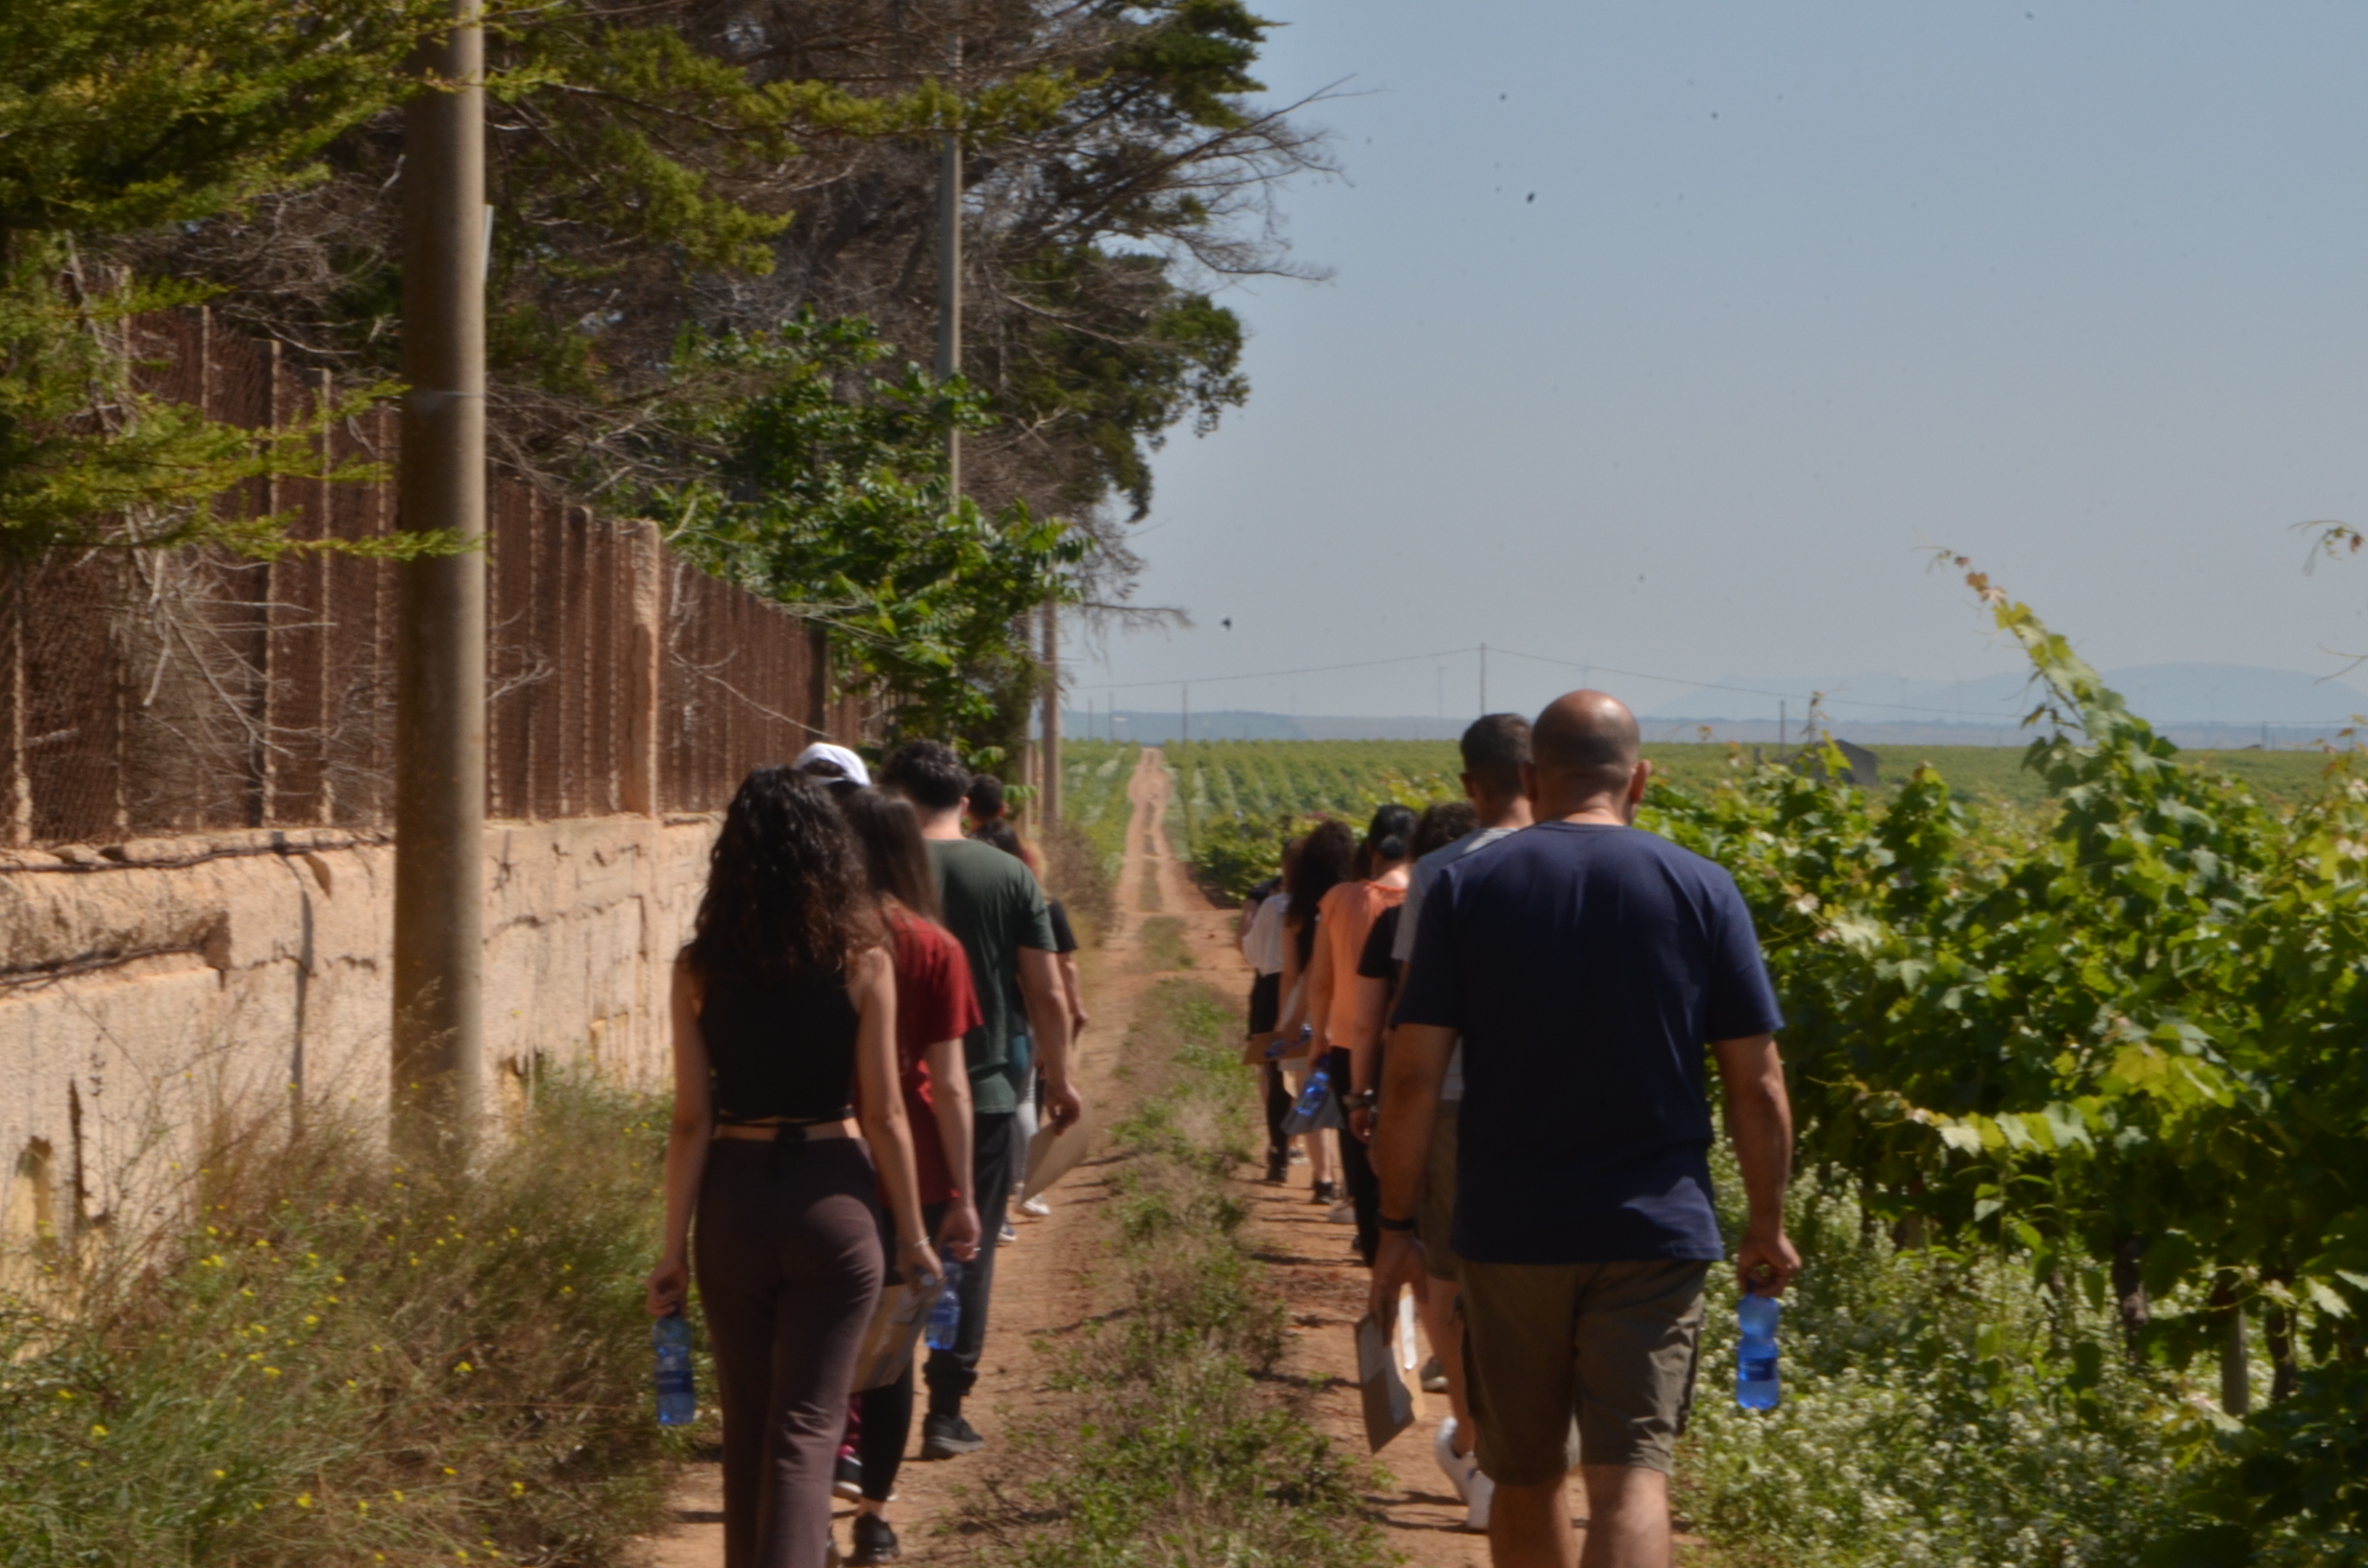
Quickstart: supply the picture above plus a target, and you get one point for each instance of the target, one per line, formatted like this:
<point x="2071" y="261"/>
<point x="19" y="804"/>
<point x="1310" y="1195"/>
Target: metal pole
<point x="1484" y="680"/>
<point x="1052" y="713"/>
<point x="438" y="1054"/>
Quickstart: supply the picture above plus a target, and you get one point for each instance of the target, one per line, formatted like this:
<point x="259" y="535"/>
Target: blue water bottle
<point x="1755" y="1355"/>
<point x="678" y="1403"/>
<point x="945" y="1313"/>
<point x="1311" y="1098"/>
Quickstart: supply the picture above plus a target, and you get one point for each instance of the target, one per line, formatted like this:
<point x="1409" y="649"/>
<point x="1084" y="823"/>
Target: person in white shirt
<point x="1262" y="944"/>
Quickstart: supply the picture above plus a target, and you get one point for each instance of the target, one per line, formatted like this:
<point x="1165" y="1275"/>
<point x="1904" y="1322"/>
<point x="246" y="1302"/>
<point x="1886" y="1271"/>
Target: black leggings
<point x="1357" y="1171"/>
<point x="994" y="1163"/>
<point x="1278" y="1105"/>
<point x="1265" y="1007"/>
<point x="787" y="1252"/>
<point x="886" y="1413"/>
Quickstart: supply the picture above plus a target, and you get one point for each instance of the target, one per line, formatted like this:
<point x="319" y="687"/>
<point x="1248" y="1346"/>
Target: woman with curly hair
<point x="784" y="1002"/>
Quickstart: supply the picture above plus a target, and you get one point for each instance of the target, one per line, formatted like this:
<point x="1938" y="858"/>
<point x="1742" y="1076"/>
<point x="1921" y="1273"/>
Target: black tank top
<point x="781" y="1049"/>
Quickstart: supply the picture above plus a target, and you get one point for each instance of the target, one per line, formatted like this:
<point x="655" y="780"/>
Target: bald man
<point x="1589" y="968"/>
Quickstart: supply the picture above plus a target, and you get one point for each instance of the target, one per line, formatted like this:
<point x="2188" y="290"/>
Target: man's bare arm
<point x="1413" y="1071"/>
<point x="1759" y="1120"/>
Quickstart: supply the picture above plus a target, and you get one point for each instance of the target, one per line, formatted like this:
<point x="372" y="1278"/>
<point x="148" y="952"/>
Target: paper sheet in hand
<point x="1389" y="1407"/>
<point x="896" y="1324"/>
<point x="1052" y="1156"/>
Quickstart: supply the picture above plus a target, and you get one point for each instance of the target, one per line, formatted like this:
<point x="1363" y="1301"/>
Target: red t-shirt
<point x="934" y="1002"/>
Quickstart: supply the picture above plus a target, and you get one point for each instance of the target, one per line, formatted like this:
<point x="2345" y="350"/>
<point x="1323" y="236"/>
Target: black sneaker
<point x="948" y="1437"/>
<point x="874" y="1541"/>
<point x="1325" y="1193"/>
<point x="847" y="1479"/>
<point x="1279" y="1170"/>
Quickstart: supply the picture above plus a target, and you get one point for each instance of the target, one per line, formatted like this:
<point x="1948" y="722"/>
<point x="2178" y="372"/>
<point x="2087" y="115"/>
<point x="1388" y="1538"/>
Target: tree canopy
<point x="700" y="211"/>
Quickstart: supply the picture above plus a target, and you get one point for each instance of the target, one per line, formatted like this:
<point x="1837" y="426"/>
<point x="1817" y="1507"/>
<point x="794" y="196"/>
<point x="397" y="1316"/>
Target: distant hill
<point x="2235" y="695"/>
<point x="2201" y="706"/>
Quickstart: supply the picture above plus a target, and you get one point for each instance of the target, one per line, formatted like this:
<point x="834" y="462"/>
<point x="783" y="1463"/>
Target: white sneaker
<point x="1036" y="1208"/>
<point x="1456" y="1467"/>
<point x="1479" y="1494"/>
<point x="1343" y="1214"/>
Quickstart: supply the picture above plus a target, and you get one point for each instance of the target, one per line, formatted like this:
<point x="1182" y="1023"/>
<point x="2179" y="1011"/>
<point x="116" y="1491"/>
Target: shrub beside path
<point x="1044" y="1284"/>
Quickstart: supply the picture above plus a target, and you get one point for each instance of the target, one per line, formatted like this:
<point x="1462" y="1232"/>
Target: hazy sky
<point x="1804" y="289"/>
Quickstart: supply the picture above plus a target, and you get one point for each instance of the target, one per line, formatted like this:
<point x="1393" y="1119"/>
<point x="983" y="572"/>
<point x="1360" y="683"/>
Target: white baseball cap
<point x="849" y="764"/>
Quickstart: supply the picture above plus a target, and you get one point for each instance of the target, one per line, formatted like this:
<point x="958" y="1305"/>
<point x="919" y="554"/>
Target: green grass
<point x="339" y="1362"/>
<point x="1164" y="944"/>
<point x="1175" y="1446"/>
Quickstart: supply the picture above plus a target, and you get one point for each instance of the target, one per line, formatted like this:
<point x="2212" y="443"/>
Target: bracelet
<point x="1361" y="1102"/>
<point x="1388" y="1224"/>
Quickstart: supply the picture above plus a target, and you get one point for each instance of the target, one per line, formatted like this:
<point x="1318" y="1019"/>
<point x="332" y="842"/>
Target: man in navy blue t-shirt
<point x="1586" y="965"/>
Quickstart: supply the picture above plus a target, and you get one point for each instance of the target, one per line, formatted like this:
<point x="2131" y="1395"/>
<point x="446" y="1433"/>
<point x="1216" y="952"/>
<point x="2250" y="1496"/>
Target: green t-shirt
<point x="994" y="908"/>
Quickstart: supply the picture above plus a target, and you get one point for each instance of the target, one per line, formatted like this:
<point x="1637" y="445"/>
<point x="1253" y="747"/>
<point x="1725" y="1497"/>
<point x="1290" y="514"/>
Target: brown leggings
<point x="787" y="1249"/>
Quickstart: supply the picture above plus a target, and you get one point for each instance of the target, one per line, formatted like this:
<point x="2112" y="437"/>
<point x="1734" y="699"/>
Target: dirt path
<point x="1308" y="1257"/>
<point x="1042" y="1288"/>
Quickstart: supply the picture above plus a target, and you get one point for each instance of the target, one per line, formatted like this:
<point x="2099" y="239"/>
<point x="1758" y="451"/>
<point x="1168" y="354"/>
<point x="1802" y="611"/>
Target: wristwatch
<point x="1361" y="1102"/>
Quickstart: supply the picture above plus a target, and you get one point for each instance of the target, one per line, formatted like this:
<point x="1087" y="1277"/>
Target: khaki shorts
<point x="1579" y="1363"/>
<point x="1434" y="1214"/>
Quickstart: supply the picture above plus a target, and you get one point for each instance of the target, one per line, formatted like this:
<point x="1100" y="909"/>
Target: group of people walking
<point x="874" y="1007"/>
<point x="1512" y="1001"/>
<point x="1516" y="999"/>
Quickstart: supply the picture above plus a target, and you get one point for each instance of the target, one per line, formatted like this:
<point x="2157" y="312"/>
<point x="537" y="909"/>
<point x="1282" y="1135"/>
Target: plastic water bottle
<point x="678" y="1403"/>
<point x="1754" y="1356"/>
<point x="1311" y="1098"/>
<point x="945" y="1313"/>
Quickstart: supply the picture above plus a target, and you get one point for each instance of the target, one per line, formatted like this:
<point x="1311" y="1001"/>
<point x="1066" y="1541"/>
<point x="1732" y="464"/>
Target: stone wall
<point x="154" y="991"/>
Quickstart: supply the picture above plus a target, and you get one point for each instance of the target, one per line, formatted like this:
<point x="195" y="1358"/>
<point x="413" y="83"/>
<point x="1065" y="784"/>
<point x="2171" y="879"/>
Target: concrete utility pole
<point x="438" y="1058"/>
<point x="1052" y="712"/>
<point x="1484" y="680"/>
